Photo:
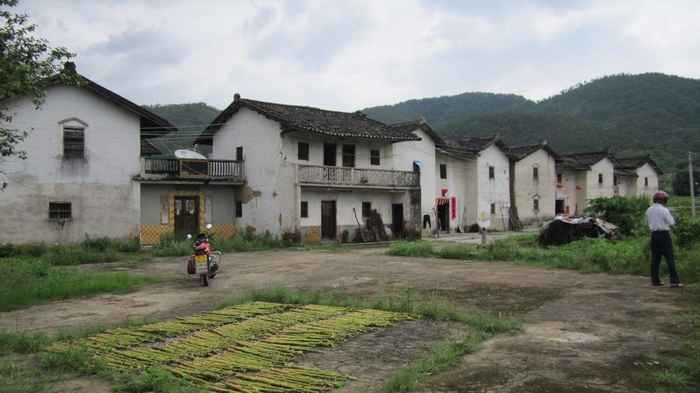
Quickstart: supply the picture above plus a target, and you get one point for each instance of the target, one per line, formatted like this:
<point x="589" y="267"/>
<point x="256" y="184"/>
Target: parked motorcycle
<point x="204" y="261"/>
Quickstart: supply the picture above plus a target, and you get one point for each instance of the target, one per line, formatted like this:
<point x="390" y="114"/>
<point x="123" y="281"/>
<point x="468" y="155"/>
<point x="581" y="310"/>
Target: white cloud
<point x="353" y="54"/>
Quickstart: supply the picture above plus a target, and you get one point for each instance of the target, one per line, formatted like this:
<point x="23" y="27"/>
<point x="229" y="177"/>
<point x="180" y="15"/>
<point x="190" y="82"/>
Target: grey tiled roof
<point x="312" y="120"/>
<point x="519" y="152"/>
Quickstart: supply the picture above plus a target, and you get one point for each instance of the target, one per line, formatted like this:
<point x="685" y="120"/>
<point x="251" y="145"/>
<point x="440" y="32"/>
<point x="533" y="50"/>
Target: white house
<point x="315" y="171"/>
<point x="83" y="148"/>
<point x="535" y="181"/>
<point x="582" y="177"/>
<point x="636" y="176"/>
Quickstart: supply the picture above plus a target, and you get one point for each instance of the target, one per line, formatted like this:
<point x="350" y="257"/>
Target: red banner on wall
<point x="454" y="207"/>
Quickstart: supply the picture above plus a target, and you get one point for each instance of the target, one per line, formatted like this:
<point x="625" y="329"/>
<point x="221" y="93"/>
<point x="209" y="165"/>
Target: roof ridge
<point x="303" y="106"/>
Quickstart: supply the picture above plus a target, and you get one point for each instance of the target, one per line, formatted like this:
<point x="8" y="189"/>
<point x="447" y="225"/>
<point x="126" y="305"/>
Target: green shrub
<point x="105" y="244"/>
<point x="16" y="250"/>
<point x="687" y="231"/>
<point x="626" y="213"/>
<point x="75" y="255"/>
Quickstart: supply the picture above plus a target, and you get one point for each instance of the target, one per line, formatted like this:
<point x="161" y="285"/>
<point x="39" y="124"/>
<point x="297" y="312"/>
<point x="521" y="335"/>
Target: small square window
<point x="493" y="209"/>
<point x="535" y="174"/>
<point x="374" y="157"/>
<point x="303" y="151"/>
<point x="73" y="142"/>
<point x="304" y="209"/>
<point x="60" y="211"/>
<point x="366" y="209"/>
<point x="239" y="209"/>
<point x="443" y="171"/>
<point x="492" y="172"/>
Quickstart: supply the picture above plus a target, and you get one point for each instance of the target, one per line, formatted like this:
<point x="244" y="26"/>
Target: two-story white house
<point x="84" y="147"/>
<point x="534" y="171"/>
<point x="636" y="176"/>
<point x="316" y="171"/>
<point x="582" y="177"/>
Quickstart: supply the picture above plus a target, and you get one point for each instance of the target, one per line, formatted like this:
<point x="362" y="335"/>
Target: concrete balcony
<point x="342" y="177"/>
<point x="171" y="170"/>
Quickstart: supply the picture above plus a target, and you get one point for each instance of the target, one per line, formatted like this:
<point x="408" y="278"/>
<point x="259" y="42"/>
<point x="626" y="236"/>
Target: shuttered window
<point x="73" y="142"/>
<point x="303" y="151"/>
<point x="374" y="157"/>
<point x="349" y="156"/>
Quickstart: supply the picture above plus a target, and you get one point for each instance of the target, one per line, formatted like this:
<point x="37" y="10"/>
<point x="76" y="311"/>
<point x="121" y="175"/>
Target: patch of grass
<point x="433" y="307"/>
<point x="22" y="342"/>
<point x="442" y="356"/>
<point x="630" y="256"/>
<point x="26" y="281"/>
<point x="74" y="255"/>
<point x="153" y="380"/>
<point x="250" y="242"/>
<point x="19" y="374"/>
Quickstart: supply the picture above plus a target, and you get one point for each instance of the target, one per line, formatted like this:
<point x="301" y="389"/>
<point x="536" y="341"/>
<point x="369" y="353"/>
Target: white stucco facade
<point x="529" y="188"/>
<point x="493" y="192"/>
<point x="599" y="180"/>
<point x="104" y="199"/>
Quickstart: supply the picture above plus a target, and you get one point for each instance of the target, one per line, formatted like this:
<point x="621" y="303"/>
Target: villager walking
<point x="660" y="223"/>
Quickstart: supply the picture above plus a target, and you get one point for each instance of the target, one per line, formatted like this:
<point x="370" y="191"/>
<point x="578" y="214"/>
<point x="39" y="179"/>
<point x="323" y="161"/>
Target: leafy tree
<point x="681" y="181"/>
<point x="626" y="213"/>
<point x="28" y="65"/>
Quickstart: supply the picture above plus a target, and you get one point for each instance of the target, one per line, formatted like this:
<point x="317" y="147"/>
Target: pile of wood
<point x="563" y="230"/>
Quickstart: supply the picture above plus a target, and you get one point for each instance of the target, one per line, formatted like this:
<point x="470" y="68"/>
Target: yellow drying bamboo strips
<point x="247" y="348"/>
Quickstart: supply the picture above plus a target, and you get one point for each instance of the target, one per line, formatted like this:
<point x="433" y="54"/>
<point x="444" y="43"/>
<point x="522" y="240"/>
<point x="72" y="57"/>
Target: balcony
<point x="314" y="175"/>
<point x="189" y="171"/>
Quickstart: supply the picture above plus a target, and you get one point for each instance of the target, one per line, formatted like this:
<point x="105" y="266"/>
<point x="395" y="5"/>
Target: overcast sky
<point x="348" y="54"/>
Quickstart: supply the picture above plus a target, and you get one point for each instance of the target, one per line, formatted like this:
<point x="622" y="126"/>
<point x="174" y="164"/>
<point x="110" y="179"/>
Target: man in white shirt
<point x="660" y="222"/>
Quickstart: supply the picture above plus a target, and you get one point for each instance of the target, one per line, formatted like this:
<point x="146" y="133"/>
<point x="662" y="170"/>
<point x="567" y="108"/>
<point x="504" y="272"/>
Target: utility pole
<point x="692" y="185"/>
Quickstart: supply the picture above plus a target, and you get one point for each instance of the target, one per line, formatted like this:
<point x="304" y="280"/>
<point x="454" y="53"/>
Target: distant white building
<point x="315" y="171"/>
<point x="636" y="176"/>
<point x="582" y="177"/>
<point x="535" y="181"/>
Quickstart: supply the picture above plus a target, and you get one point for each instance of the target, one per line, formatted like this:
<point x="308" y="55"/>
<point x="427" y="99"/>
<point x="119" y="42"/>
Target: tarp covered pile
<point x="564" y="230"/>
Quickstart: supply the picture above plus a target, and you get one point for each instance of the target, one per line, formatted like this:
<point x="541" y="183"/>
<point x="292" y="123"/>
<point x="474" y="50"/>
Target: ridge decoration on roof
<point x="311" y="120"/>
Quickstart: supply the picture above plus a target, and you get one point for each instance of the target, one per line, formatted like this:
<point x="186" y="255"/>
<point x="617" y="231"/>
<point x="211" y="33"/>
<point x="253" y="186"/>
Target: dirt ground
<point x="581" y="332"/>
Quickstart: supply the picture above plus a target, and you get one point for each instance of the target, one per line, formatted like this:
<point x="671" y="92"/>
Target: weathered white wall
<point x="269" y="197"/>
<point x="493" y="190"/>
<point x="405" y="153"/>
<point x="595" y="189"/>
<point x="461" y="179"/>
<point x="362" y="152"/>
<point x="345" y="202"/>
<point x="105" y="201"/>
<point x="222" y="201"/>
<point x="566" y="190"/>
<point x="527" y="188"/>
<point x="647" y="171"/>
<point x="627" y="186"/>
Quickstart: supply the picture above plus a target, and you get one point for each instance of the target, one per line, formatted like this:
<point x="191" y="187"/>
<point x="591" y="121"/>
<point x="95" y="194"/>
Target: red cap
<point x="660" y="196"/>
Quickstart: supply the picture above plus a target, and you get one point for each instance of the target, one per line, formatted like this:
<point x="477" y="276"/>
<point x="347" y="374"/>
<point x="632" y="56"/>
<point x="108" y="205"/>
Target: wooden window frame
<point x="303" y="149"/>
<point x="73" y="153"/>
<point x="349" y="156"/>
<point x="375" y="157"/>
<point x="304" y="207"/>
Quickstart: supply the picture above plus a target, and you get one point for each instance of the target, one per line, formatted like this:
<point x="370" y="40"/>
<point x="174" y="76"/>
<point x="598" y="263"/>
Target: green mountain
<point x="190" y="119"/>
<point x="650" y="113"/>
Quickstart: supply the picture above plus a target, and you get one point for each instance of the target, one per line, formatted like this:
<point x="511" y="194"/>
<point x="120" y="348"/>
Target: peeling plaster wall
<point x="646" y="171"/>
<point x="222" y="201"/>
<point x="105" y="201"/>
<point x="527" y="188"/>
<point x="460" y="181"/>
<point x="593" y="187"/>
<point x="404" y="153"/>
<point x="567" y="191"/>
<point x="494" y="190"/>
<point x="269" y="202"/>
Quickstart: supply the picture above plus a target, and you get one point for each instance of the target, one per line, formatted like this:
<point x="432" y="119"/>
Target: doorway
<point x="186" y="216"/>
<point x="443" y="215"/>
<point x="397" y="220"/>
<point x="559" y="206"/>
<point x="328" y="220"/>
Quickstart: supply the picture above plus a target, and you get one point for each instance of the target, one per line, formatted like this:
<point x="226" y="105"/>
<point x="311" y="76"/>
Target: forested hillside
<point x="191" y="119"/>
<point x="647" y="113"/>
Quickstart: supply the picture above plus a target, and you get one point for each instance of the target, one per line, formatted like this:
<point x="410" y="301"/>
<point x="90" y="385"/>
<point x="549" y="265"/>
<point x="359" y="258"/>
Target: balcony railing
<point x="168" y="168"/>
<point x="341" y="176"/>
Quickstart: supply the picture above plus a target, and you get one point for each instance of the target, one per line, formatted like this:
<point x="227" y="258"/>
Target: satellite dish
<point x="189" y="155"/>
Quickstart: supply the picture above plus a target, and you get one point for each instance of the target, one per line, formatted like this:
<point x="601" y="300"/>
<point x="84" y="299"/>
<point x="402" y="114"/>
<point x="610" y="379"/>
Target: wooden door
<point x="186" y="216"/>
<point x="444" y="217"/>
<point x="397" y="219"/>
<point x="559" y="206"/>
<point x="329" y="154"/>
<point x="328" y="220"/>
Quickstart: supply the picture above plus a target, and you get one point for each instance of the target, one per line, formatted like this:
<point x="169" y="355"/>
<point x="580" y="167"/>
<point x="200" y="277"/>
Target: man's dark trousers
<point x="661" y="245"/>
